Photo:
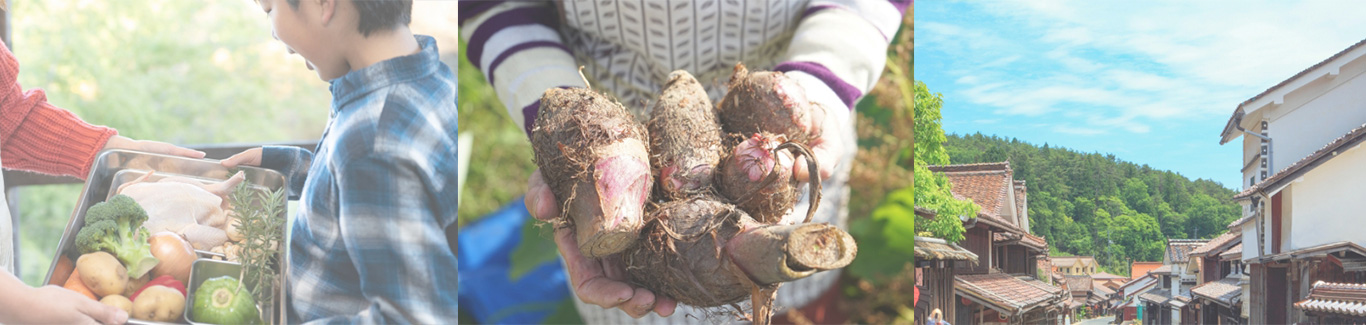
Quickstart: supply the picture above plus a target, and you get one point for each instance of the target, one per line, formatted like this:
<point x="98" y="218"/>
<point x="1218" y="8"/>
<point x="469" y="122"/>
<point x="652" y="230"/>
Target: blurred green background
<point x="185" y="72"/>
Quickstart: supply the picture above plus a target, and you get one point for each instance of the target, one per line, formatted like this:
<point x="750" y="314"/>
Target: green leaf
<point x="535" y="249"/>
<point x="875" y="261"/>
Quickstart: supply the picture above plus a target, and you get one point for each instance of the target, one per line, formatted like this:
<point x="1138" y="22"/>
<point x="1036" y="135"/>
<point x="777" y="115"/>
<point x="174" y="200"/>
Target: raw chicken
<point x="185" y="206"/>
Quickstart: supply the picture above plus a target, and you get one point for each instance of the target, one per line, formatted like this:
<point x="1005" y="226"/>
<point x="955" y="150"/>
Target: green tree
<point x="932" y="190"/>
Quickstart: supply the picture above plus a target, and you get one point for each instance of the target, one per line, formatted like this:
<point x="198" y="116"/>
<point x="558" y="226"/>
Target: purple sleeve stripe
<point x="813" y="9"/>
<point x="901" y="5"/>
<point x="515" y="17"/>
<point x="518" y="48"/>
<point x="846" y="92"/>
<point x="529" y="114"/>
<point x="471" y="9"/>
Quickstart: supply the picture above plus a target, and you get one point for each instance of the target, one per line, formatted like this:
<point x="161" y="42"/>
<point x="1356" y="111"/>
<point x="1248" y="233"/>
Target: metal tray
<point x="115" y="167"/>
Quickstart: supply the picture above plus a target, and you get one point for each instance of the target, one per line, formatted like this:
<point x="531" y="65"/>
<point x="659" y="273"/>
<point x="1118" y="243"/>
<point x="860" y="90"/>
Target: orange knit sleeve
<point x="36" y="136"/>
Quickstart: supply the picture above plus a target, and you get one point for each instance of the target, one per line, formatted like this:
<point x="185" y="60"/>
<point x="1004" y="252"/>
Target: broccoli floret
<point x="115" y="226"/>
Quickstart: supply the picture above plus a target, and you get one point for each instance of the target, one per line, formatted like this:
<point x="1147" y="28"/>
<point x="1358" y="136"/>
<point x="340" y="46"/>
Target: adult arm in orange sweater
<point x="37" y="136"/>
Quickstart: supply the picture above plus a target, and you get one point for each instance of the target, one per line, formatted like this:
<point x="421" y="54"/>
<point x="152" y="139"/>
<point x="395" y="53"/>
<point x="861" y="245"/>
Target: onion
<point x="175" y="255"/>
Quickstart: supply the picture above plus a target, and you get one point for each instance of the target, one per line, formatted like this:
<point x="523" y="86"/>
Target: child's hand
<point x="600" y="282"/>
<point x="250" y="157"/>
<point x="122" y="142"/>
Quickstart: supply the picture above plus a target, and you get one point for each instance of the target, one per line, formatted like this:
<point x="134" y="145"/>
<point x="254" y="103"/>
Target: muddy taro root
<point x="592" y="153"/>
<point x="769" y="101"/>
<point x="706" y="253"/>
<point x="758" y="178"/>
<point x="685" y="138"/>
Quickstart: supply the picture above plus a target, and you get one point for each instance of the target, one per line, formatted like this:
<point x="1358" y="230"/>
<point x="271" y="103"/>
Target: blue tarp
<point x="486" y="291"/>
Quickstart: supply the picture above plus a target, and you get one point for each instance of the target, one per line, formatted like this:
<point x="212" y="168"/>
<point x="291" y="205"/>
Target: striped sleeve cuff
<point x="520" y="52"/>
<point x="293" y="162"/>
<point x="843" y="44"/>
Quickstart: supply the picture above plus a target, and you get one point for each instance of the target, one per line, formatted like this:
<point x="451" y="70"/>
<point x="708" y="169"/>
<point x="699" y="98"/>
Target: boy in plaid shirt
<point x="368" y="243"/>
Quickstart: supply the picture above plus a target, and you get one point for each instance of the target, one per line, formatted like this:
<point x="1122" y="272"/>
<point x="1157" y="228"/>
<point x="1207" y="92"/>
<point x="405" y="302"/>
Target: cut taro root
<point x="685" y="139"/>
<point x="592" y="153"/>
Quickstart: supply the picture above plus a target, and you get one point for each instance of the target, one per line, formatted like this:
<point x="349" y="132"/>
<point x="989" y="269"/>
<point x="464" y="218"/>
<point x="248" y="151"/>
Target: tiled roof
<point x="1078" y="283"/>
<point x="1179" y="300"/>
<point x="937" y="249"/>
<point x="1315" y="251"/>
<point x="1294" y="171"/>
<point x="1028" y="240"/>
<point x="1165" y="269"/>
<point x="1159" y="296"/>
<point x="987" y="184"/>
<point x="1004" y="291"/>
<point x="1229" y="127"/>
<point x="1225" y="291"/>
<point x="1218" y="243"/>
<point x="1235" y="252"/>
<point x="1178" y="250"/>
<point x="1035" y="241"/>
<point x="1102" y="290"/>
<point x="1336" y="298"/>
<point x="1138" y="285"/>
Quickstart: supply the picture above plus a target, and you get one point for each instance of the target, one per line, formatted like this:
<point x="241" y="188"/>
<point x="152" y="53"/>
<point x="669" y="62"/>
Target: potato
<point x="118" y="301"/>
<point x="159" y="303"/>
<point x="102" y="273"/>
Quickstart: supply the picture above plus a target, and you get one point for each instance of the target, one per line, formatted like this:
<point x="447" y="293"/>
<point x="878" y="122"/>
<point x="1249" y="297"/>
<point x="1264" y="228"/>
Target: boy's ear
<point x="328" y="10"/>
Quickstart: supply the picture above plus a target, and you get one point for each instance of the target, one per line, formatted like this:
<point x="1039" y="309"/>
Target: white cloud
<point x="1126" y="66"/>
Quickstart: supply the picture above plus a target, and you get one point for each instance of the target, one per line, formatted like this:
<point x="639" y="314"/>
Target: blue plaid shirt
<point x="368" y="243"/>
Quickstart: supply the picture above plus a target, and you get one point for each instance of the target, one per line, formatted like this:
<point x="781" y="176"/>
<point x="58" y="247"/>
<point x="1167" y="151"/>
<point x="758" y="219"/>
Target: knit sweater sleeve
<point x="37" y="136"/>
<point x="519" y="48"/>
<point x="840" y="47"/>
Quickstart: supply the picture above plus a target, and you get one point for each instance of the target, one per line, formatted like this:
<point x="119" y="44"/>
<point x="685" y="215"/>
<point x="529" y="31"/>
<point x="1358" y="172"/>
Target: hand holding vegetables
<point x="714" y="231"/>
<point x="56" y="305"/>
<point x="596" y="281"/>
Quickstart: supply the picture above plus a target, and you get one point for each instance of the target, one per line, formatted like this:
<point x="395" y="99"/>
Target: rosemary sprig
<point x="262" y="224"/>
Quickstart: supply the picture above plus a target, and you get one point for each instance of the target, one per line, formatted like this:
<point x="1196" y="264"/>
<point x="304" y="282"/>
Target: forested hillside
<point x="1094" y="204"/>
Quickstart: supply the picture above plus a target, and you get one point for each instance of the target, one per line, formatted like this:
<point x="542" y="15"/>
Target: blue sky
<point x="1152" y="82"/>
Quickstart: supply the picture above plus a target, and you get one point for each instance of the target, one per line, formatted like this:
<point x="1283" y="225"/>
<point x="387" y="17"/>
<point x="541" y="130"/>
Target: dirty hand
<point x="602" y="281"/>
<point x="250" y="157"/>
<point x="57" y="305"/>
<point x="825" y="148"/>
<point x="122" y="142"/>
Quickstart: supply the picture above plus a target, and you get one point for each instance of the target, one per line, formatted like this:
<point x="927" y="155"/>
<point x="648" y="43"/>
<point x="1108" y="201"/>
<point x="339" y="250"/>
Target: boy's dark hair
<point x="378" y="15"/>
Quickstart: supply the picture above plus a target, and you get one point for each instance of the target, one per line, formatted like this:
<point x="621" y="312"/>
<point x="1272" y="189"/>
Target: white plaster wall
<point x="1329" y="202"/>
<point x="1250" y="248"/>
<point x="1315" y="115"/>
